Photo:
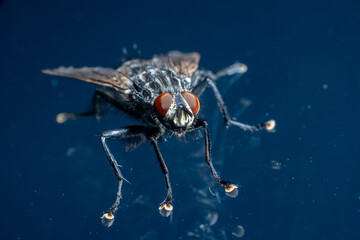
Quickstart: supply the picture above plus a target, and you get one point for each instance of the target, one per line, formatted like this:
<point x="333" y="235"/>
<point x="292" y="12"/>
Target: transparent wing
<point x="182" y="63"/>
<point x="107" y="77"/>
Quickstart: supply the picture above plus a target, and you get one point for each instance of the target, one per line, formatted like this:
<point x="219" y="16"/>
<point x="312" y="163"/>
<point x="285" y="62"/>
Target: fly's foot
<point x="165" y="209"/>
<point x="270" y="125"/>
<point x="231" y="190"/>
<point x="63" y="117"/>
<point x="107" y="219"/>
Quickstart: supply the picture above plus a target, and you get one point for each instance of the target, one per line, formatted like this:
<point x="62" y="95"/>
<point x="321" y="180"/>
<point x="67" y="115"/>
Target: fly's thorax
<point x="176" y="110"/>
<point x="159" y="80"/>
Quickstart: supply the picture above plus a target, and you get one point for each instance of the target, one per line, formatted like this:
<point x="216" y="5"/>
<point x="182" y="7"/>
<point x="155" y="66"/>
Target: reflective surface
<point x="300" y="182"/>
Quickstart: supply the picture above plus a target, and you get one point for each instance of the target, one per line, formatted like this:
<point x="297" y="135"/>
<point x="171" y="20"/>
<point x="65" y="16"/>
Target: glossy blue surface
<point x="303" y="59"/>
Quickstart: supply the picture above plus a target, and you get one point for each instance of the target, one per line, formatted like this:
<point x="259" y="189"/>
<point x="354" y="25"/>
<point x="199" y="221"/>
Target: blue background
<point x="303" y="60"/>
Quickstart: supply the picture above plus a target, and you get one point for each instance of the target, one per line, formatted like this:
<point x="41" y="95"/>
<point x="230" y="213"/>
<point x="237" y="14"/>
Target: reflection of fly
<point x="163" y="93"/>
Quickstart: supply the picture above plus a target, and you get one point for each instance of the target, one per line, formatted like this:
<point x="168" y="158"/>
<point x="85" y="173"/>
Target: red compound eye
<point x="162" y="103"/>
<point x="192" y="100"/>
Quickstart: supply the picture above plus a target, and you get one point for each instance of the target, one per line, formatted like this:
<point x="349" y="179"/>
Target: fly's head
<point x="177" y="111"/>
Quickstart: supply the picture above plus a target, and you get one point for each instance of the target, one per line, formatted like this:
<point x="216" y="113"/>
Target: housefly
<point x="162" y="92"/>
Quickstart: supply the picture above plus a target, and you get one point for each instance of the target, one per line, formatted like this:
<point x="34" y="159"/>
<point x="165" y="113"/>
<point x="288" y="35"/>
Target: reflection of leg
<point x="230" y="189"/>
<point x="165" y="207"/>
<point x="133" y="132"/>
<point x="269" y="125"/>
<point x="100" y="94"/>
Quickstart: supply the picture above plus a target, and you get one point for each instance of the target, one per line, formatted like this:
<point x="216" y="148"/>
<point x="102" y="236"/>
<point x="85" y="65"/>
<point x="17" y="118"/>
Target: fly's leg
<point x="134" y="132"/>
<point x="269" y="125"/>
<point x="236" y="68"/>
<point x="165" y="208"/>
<point x="96" y="110"/>
<point x="230" y="189"/>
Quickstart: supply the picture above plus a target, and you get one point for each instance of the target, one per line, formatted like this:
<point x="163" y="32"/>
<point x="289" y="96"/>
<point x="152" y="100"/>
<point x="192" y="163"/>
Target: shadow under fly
<point x="163" y="93"/>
